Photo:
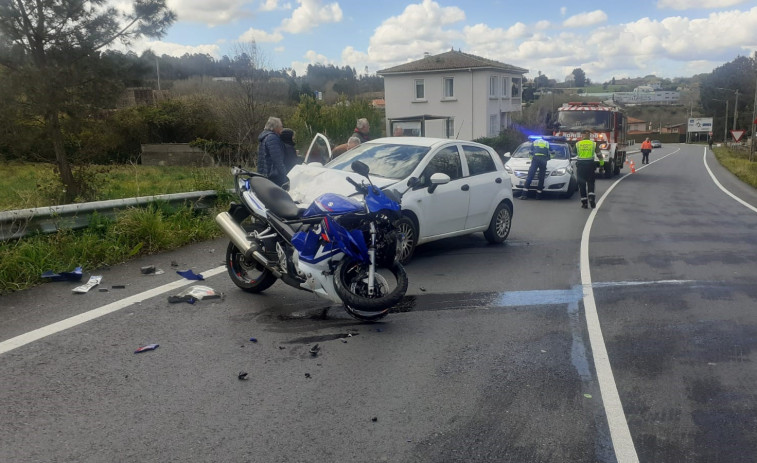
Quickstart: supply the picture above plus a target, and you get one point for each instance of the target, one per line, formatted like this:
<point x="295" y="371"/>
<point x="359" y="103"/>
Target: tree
<point x="722" y="84"/>
<point x="579" y="77"/>
<point x="52" y="51"/>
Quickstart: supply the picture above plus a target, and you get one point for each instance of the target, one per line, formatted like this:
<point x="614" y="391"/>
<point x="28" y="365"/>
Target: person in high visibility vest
<point x="587" y="151"/>
<point x="539" y="157"/>
<point x="646" y="148"/>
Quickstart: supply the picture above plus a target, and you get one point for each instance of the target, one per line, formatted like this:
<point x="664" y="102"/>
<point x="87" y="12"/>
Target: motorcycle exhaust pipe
<point x="238" y="236"/>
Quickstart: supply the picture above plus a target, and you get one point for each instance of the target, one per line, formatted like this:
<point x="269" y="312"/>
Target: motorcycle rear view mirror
<point x="360" y="167"/>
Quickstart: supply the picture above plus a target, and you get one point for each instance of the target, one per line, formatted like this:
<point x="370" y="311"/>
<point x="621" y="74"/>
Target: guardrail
<point x="22" y="222"/>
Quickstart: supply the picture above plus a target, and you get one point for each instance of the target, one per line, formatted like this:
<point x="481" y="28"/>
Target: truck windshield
<point x="580" y="120"/>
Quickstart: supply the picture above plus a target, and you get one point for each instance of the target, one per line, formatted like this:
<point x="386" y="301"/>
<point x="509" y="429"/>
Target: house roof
<point x="450" y="60"/>
<point x="633" y="120"/>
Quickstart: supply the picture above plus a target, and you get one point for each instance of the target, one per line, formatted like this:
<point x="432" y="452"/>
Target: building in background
<point x="452" y="95"/>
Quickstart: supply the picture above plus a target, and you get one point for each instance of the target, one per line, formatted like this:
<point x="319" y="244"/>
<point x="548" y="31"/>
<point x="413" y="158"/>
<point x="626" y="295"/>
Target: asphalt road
<point x="622" y="334"/>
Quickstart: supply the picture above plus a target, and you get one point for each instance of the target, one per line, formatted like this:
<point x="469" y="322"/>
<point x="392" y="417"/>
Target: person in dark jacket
<point x="271" y="152"/>
<point x="290" y="152"/>
<point x="363" y="130"/>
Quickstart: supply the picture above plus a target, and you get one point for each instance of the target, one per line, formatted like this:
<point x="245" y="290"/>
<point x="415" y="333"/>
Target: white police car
<point x="560" y="177"/>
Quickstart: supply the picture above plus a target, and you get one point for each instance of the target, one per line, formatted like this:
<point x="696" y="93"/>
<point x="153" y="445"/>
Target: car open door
<point x="319" y="150"/>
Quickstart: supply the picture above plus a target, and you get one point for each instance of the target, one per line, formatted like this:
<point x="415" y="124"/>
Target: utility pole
<point x="725" y="124"/>
<point x="157" y="69"/>
<point x="736" y="109"/>
<point x="754" y="119"/>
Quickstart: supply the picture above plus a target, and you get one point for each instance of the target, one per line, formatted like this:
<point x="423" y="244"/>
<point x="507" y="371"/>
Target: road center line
<point x="31" y="336"/>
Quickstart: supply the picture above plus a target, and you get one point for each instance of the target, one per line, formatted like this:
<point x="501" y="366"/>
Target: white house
<point x="452" y="95"/>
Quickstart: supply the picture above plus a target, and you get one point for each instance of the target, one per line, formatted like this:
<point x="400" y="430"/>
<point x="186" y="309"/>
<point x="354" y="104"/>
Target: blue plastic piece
<point x="63" y="276"/>
<point x="190" y="275"/>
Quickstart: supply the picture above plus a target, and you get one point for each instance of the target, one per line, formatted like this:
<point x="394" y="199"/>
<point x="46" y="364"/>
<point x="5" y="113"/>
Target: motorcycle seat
<point x="276" y="199"/>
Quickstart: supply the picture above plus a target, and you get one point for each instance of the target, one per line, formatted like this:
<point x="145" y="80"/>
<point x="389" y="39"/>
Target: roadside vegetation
<point x="135" y="232"/>
<point x="736" y="160"/>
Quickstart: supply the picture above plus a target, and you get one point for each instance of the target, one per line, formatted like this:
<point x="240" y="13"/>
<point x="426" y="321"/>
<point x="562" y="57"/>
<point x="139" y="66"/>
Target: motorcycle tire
<point x="252" y="277"/>
<point x="351" y="287"/>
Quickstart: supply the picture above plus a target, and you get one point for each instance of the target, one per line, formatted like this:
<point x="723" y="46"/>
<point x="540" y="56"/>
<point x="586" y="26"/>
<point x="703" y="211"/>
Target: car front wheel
<point x="499" y="227"/>
<point x="409" y="238"/>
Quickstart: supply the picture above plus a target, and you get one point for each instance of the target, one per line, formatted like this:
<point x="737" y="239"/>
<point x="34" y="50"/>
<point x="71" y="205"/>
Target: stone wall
<point x="175" y="154"/>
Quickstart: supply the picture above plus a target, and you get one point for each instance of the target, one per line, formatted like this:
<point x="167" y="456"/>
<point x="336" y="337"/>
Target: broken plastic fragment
<point x="242" y="375"/>
<point x="190" y="275"/>
<point x="63" y="276"/>
<point x="147" y="269"/>
<point x="588" y="396"/>
<point x="93" y="281"/>
<point x="176" y="299"/>
<point x="314" y="350"/>
<point x="200" y="292"/>
<point x="146" y="348"/>
<point x="253" y="340"/>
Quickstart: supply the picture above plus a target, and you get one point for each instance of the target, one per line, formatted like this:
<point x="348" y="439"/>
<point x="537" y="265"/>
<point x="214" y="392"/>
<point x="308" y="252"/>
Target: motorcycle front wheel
<point x="351" y="285"/>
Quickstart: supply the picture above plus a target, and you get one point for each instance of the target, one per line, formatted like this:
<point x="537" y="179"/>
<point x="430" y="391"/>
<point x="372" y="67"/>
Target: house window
<point x="450" y="128"/>
<point x="449" y="87"/>
<point x="420" y="89"/>
<point x="504" y="87"/>
<point x="493" y="86"/>
<point x="493" y="126"/>
<point x="516" y="87"/>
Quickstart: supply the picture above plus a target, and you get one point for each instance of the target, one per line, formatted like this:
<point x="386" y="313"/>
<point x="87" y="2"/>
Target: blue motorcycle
<point x="344" y="249"/>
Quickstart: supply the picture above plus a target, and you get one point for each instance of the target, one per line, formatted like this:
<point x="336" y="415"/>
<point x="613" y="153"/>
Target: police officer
<point x="539" y="157"/>
<point x="587" y="151"/>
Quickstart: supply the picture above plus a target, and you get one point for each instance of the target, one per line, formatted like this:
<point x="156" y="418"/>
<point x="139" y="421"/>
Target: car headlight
<point x="508" y="169"/>
<point x="559" y="172"/>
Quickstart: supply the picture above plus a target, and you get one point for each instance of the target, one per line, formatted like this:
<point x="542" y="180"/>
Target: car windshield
<point x="580" y="120"/>
<point x="387" y="160"/>
<point x="556" y="151"/>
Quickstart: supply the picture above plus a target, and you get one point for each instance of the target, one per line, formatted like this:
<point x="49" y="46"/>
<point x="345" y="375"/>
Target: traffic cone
<point x="633" y="168"/>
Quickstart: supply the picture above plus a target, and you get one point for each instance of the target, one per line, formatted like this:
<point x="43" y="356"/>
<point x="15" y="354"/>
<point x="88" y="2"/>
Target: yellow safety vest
<point x="585" y="149"/>
<point x="541" y="147"/>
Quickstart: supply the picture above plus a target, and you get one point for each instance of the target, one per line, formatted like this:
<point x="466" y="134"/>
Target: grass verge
<point x="737" y="162"/>
<point x="134" y="232"/>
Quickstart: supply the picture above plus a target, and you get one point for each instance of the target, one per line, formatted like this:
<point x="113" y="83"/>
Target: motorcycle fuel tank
<point x="335" y="204"/>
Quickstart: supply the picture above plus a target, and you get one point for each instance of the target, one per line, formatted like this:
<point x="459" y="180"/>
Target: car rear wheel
<point x="499" y="227"/>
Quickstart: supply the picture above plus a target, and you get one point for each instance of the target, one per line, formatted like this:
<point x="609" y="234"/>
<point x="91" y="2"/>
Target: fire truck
<point x="607" y="125"/>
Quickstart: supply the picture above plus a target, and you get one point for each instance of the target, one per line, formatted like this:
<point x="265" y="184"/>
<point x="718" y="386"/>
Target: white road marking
<point x="31" y="336"/>
<point x="719" y="185"/>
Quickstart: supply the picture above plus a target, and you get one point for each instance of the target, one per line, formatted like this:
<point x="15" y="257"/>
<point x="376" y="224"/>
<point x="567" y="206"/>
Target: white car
<point x="560" y="177"/>
<point x="462" y="187"/>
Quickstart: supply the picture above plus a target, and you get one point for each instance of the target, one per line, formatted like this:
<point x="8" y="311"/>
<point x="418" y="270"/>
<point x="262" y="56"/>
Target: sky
<point x="616" y="38"/>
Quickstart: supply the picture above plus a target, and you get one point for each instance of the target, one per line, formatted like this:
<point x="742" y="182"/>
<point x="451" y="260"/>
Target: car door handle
<point x="465" y="188"/>
<point x="498" y="180"/>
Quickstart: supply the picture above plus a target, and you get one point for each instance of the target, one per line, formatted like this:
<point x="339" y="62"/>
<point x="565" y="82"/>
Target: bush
<point x="507" y="140"/>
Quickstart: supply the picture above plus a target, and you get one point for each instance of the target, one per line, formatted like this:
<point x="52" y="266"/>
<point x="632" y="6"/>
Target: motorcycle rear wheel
<point x="351" y="285"/>
<point x="252" y="277"/>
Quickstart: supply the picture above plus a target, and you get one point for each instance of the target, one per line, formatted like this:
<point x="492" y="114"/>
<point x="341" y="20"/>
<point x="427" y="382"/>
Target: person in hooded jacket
<point x="290" y="152"/>
<point x="271" y="152"/>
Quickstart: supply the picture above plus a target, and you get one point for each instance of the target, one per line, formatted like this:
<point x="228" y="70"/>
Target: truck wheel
<point x="609" y="168"/>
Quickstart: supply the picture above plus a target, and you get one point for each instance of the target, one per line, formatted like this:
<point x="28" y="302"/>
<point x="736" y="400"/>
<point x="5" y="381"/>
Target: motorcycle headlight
<point x="559" y="172"/>
<point x="508" y="169"/>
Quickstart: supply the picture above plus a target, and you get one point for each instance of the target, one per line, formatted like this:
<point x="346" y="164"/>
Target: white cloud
<point x="211" y="13"/>
<point x="300" y="67"/>
<point x="258" y="36"/>
<point x="563" y="11"/>
<point x="422" y="27"/>
<point x="269" y="5"/>
<point x="174" y="49"/>
<point x="591" y="18"/>
<point x="696" y="4"/>
<point x="311" y="14"/>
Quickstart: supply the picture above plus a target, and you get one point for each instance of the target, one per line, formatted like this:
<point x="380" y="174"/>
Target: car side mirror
<point x="438" y="179"/>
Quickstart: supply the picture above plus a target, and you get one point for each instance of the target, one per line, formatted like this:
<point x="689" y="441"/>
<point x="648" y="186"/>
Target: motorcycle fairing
<point x="334" y="204"/>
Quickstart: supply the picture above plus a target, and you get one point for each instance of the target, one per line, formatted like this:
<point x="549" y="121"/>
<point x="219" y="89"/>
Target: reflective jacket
<point x="646" y="145"/>
<point x="540" y="148"/>
<point x="586" y="150"/>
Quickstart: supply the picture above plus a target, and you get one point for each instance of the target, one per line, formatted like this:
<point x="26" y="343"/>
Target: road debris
<point x="307" y="375"/>
<point x="75" y="275"/>
<point x="146" y="348"/>
<point x="314" y="350"/>
<point x="93" y="281"/>
<point x="253" y="340"/>
<point x="242" y="375"/>
<point x="190" y="275"/>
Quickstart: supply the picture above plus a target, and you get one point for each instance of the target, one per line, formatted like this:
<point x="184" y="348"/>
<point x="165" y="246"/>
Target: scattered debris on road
<point x="314" y="350"/>
<point x="93" y="281"/>
<point x="242" y="375"/>
<point x="75" y="275"/>
<point x="146" y="348"/>
<point x="190" y="275"/>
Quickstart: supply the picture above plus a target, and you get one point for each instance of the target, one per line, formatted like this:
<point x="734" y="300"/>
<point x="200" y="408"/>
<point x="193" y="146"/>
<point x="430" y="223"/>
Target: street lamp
<point x="735" y="106"/>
